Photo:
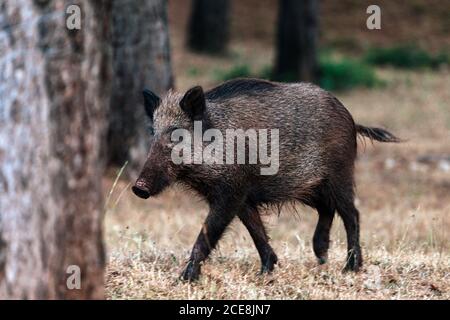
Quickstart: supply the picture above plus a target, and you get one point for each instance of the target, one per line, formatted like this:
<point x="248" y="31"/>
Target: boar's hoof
<point x="268" y="266"/>
<point x="191" y="272"/>
<point x="266" y="269"/>
<point x="354" y="263"/>
<point x="322" y="259"/>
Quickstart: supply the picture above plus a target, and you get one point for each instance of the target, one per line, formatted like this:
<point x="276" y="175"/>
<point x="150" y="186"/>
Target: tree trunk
<point x="209" y="26"/>
<point x="54" y="95"/>
<point x="297" y="40"/>
<point x="141" y="58"/>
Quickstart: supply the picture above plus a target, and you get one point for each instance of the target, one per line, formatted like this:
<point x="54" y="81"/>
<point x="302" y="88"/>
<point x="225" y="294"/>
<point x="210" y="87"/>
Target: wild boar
<point x="316" y="146"/>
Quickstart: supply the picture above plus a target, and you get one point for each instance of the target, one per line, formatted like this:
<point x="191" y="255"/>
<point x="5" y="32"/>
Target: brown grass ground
<point x="404" y="205"/>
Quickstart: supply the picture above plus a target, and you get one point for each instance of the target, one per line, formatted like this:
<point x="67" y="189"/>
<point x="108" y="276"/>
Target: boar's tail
<point x="376" y="134"/>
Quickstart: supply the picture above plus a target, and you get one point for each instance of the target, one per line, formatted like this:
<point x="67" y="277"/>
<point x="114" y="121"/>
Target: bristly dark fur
<point x="317" y="151"/>
<point x="377" y="134"/>
<point x="239" y="87"/>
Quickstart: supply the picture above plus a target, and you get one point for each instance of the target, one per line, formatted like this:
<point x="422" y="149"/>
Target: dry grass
<point x="404" y="205"/>
<point x="151" y="275"/>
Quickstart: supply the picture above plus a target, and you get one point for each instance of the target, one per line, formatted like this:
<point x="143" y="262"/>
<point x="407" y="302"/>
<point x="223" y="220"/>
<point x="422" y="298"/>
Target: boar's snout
<point x="149" y="185"/>
<point x="141" y="190"/>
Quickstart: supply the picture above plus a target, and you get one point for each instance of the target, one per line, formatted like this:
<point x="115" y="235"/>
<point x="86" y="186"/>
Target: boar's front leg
<point x="252" y="221"/>
<point x="215" y="224"/>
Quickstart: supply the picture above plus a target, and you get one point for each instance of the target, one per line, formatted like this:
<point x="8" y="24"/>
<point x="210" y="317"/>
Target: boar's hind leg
<point x="252" y="221"/>
<point x="215" y="224"/>
<point x="350" y="216"/>
<point x="321" y="240"/>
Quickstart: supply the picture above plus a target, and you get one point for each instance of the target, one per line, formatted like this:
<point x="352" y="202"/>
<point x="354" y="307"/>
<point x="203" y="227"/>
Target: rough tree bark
<point x="141" y="58"/>
<point x="209" y="26"/>
<point x="297" y="40"/>
<point x="54" y="94"/>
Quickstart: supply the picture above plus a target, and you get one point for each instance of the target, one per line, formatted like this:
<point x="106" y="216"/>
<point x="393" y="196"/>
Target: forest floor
<point x="403" y="194"/>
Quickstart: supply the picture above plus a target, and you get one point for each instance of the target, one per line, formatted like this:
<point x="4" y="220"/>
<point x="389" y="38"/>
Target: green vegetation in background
<point x="405" y="57"/>
<point x="343" y="73"/>
<point x="240" y="70"/>
<point x="193" y="72"/>
<point x="334" y="74"/>
<point x="338" y="74"/>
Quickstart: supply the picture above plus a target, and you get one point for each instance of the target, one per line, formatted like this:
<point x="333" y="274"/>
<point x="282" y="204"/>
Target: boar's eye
<point x="170" y="145"/>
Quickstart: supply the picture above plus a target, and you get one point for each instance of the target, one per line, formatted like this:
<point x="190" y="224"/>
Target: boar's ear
<point x="151" y="101"/>
<point x="194" y="103"/>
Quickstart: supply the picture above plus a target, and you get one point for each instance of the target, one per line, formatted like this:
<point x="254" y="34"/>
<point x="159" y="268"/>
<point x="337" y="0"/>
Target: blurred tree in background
<point x="70" y="104"/>
<point x="297" y="37"/>
<point x="209" y="26"/>
<point x="141" y="58"/>
<point x="54" y="96"/>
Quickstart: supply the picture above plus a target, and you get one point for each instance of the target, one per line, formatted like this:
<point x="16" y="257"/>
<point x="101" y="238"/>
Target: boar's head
<point x="174" y="111"/>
